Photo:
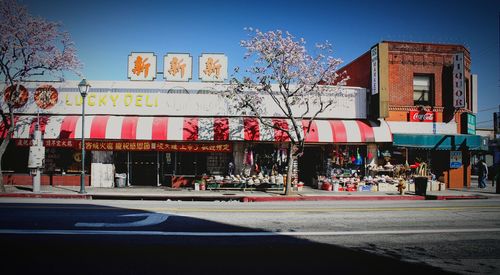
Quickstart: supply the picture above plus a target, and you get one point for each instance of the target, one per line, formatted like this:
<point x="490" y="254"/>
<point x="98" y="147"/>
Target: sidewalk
<point x="306" y="194"/>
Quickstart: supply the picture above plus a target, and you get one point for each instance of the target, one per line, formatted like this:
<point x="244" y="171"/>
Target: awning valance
<point x="199" y="129"/>
<point x="438" y="142"/>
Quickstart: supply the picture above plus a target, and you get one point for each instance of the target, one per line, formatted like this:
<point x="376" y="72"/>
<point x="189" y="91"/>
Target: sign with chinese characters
<point x="458" y="81"/>
<point x="18" y="96"/>
<point x="422" y="116"/>
<point x="455" y="159"/>
<point x="212" y="67"/>
<point x="178" y="67"/>
<point x="142" y="66"/>
<point x="135" y="145"/>
<point x="46" y="96"/>
<point x="468" y="124"/>
<point x="374" y="70"/>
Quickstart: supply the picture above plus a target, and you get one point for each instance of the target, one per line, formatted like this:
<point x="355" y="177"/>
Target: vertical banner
<point x="142" y="66"/>
<point x="213" y="67"/>
<point x="374" y="70"/>
<point x="474" y="93"/>
<point x="458" y="81"/>
<point x="178" y="67"/>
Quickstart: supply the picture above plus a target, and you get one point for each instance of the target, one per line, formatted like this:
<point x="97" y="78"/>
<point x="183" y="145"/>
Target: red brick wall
<point x="359" y="71"/>
<point x="407" y="59"/>
<point x="55" y="180"/>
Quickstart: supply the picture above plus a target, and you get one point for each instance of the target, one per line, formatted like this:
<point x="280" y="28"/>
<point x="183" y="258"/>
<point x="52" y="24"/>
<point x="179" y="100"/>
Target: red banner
<point x="135" y="145"/>
<point x="422" y="116"/>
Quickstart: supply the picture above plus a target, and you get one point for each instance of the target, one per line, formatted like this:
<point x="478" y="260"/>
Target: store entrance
<point x="143" y="168"/>
<point x="310" y="164"/>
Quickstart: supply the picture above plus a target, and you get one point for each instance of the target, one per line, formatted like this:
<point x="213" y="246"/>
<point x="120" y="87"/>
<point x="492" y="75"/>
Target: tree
<point x="29" y="47"/>
<point x="295" y="80"/>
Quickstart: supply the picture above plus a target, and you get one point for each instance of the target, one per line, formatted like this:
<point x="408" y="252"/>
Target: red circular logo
<point x="17" y="97"/>
<point x="46" y="96"/>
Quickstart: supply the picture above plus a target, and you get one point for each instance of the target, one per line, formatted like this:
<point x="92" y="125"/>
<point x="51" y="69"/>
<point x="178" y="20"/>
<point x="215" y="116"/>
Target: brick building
<point x="428" y="95"/>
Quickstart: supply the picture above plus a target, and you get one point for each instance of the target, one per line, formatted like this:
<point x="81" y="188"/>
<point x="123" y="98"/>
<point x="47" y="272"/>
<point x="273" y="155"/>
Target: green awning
<point x="438" y="142"/>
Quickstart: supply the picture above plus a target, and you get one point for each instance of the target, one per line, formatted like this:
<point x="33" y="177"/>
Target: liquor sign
<point x="178" y="67"/>
<point x="422" y="116"/>
<point x="212" y="67"/>
<point x="142" y="66"/>
<point x="374" y="70"/>
<point x="455" y="159"/>
<point x="458" y="81"/>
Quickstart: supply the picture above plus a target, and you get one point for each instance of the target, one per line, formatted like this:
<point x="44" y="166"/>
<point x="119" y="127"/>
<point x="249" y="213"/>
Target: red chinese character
<point x="118" y="146"/>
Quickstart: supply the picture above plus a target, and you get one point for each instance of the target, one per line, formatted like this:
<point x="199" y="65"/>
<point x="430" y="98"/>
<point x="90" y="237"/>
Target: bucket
<point x="202" y="186"/>
<point x="196" y="186"/>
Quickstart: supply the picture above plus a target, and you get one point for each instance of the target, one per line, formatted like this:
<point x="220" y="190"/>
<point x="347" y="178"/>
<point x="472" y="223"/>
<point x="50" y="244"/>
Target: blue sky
<point x="105" y="32"/>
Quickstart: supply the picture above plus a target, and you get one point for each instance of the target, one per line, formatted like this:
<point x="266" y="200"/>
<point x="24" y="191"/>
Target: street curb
<point x="46" y="196"/>
<point x="331" y="198"/>
<point x="165" y="197"/>
<point x="440" y="197"/>
<point x="277" y="198"/>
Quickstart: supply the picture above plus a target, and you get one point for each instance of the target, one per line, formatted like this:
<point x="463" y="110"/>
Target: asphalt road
<point x="143" y="237"/>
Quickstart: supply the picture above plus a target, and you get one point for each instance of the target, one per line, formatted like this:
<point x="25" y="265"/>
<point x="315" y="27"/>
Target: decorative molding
<point x="414" y="108"/>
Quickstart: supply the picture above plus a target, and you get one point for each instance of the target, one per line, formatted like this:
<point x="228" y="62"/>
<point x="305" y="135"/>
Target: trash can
<point x="120" y="180"/>
<point x="421" y="186"/>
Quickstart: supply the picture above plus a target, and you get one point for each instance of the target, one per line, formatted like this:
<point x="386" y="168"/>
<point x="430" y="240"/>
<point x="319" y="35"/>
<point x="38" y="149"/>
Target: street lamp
<point x="84" y="87"/>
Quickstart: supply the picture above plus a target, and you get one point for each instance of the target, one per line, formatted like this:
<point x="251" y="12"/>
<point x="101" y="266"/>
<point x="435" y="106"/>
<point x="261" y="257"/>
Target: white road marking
<point x="239" y="234"/>
<point x="151" y="219"/>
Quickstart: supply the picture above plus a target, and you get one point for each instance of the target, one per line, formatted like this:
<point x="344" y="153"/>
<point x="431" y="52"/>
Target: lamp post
<point x="84" y="87"/>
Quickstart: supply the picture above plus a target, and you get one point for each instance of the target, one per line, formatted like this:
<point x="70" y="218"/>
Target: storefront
<point x="162" y="134"/>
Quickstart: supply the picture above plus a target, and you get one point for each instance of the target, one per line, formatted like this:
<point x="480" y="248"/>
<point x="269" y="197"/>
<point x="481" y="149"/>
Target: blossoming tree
<point x="29" y="47"/>
<point x="296" y="81"/>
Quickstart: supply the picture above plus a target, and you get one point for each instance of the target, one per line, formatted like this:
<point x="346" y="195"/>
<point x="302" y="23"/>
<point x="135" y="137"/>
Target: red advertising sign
<point x="422" y="116"/>
<point x="135" y="145"/>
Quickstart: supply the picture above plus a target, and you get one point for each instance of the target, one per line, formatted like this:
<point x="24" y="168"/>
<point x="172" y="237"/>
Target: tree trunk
<point x="4" y="144"/>
<point x="288" y="186"/>
<point x="3" y="148"/>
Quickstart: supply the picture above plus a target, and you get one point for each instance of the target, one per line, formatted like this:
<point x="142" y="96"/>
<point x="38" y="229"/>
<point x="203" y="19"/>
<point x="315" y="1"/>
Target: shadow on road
<point x="134" y="254"/>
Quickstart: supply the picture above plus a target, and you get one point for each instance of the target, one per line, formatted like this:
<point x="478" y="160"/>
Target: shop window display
<point x="63" y="161"/>
<point x="344" y="168"/>
<point x="263" y="166"/>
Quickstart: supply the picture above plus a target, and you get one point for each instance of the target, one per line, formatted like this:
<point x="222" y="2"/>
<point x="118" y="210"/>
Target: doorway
<point x="143" y="168"/>
<point x="310" y="164"/>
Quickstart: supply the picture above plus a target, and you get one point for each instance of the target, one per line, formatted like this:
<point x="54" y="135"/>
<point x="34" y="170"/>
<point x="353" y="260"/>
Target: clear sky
<point x="105" y="32"/>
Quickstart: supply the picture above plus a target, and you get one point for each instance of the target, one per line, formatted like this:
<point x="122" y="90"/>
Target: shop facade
<point x="428" y="96"/>
<point x="174" y="134"/>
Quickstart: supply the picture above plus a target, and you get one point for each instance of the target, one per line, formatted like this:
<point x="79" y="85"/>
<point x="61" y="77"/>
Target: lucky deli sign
<point x="422" y="116"/>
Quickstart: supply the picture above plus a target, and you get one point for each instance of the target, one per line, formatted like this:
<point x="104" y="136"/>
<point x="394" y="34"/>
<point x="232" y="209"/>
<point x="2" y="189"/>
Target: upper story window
<point x="423" y="86"/>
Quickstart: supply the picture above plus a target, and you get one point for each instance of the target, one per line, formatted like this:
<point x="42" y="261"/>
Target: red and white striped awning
<point x="198" y="129"/>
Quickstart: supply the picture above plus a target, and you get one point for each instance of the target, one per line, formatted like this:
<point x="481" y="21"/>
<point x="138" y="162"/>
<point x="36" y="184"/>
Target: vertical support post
<point x="158" y="168"/>
<point x="82" y="177"/>
<point x="128" y="168"/>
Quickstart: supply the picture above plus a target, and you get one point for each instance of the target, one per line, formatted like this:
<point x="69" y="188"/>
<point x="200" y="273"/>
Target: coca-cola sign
<point x="422" y="116"/>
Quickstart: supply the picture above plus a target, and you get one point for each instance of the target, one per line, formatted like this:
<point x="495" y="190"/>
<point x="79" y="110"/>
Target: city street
<point x="62" y="236"/>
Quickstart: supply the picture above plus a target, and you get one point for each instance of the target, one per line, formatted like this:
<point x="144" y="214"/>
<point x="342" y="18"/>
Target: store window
<point x="423" y="86"/>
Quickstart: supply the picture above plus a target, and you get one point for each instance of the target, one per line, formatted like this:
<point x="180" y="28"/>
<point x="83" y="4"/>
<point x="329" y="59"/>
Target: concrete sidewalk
<point x="306" y="194"/>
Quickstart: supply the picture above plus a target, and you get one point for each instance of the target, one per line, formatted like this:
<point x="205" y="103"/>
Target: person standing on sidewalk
<point x="483" y="174"/>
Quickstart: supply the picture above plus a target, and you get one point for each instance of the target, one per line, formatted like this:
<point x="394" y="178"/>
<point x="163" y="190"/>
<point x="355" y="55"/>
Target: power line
<point x="484" y="121"/>
<point x="487" y="109"/>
